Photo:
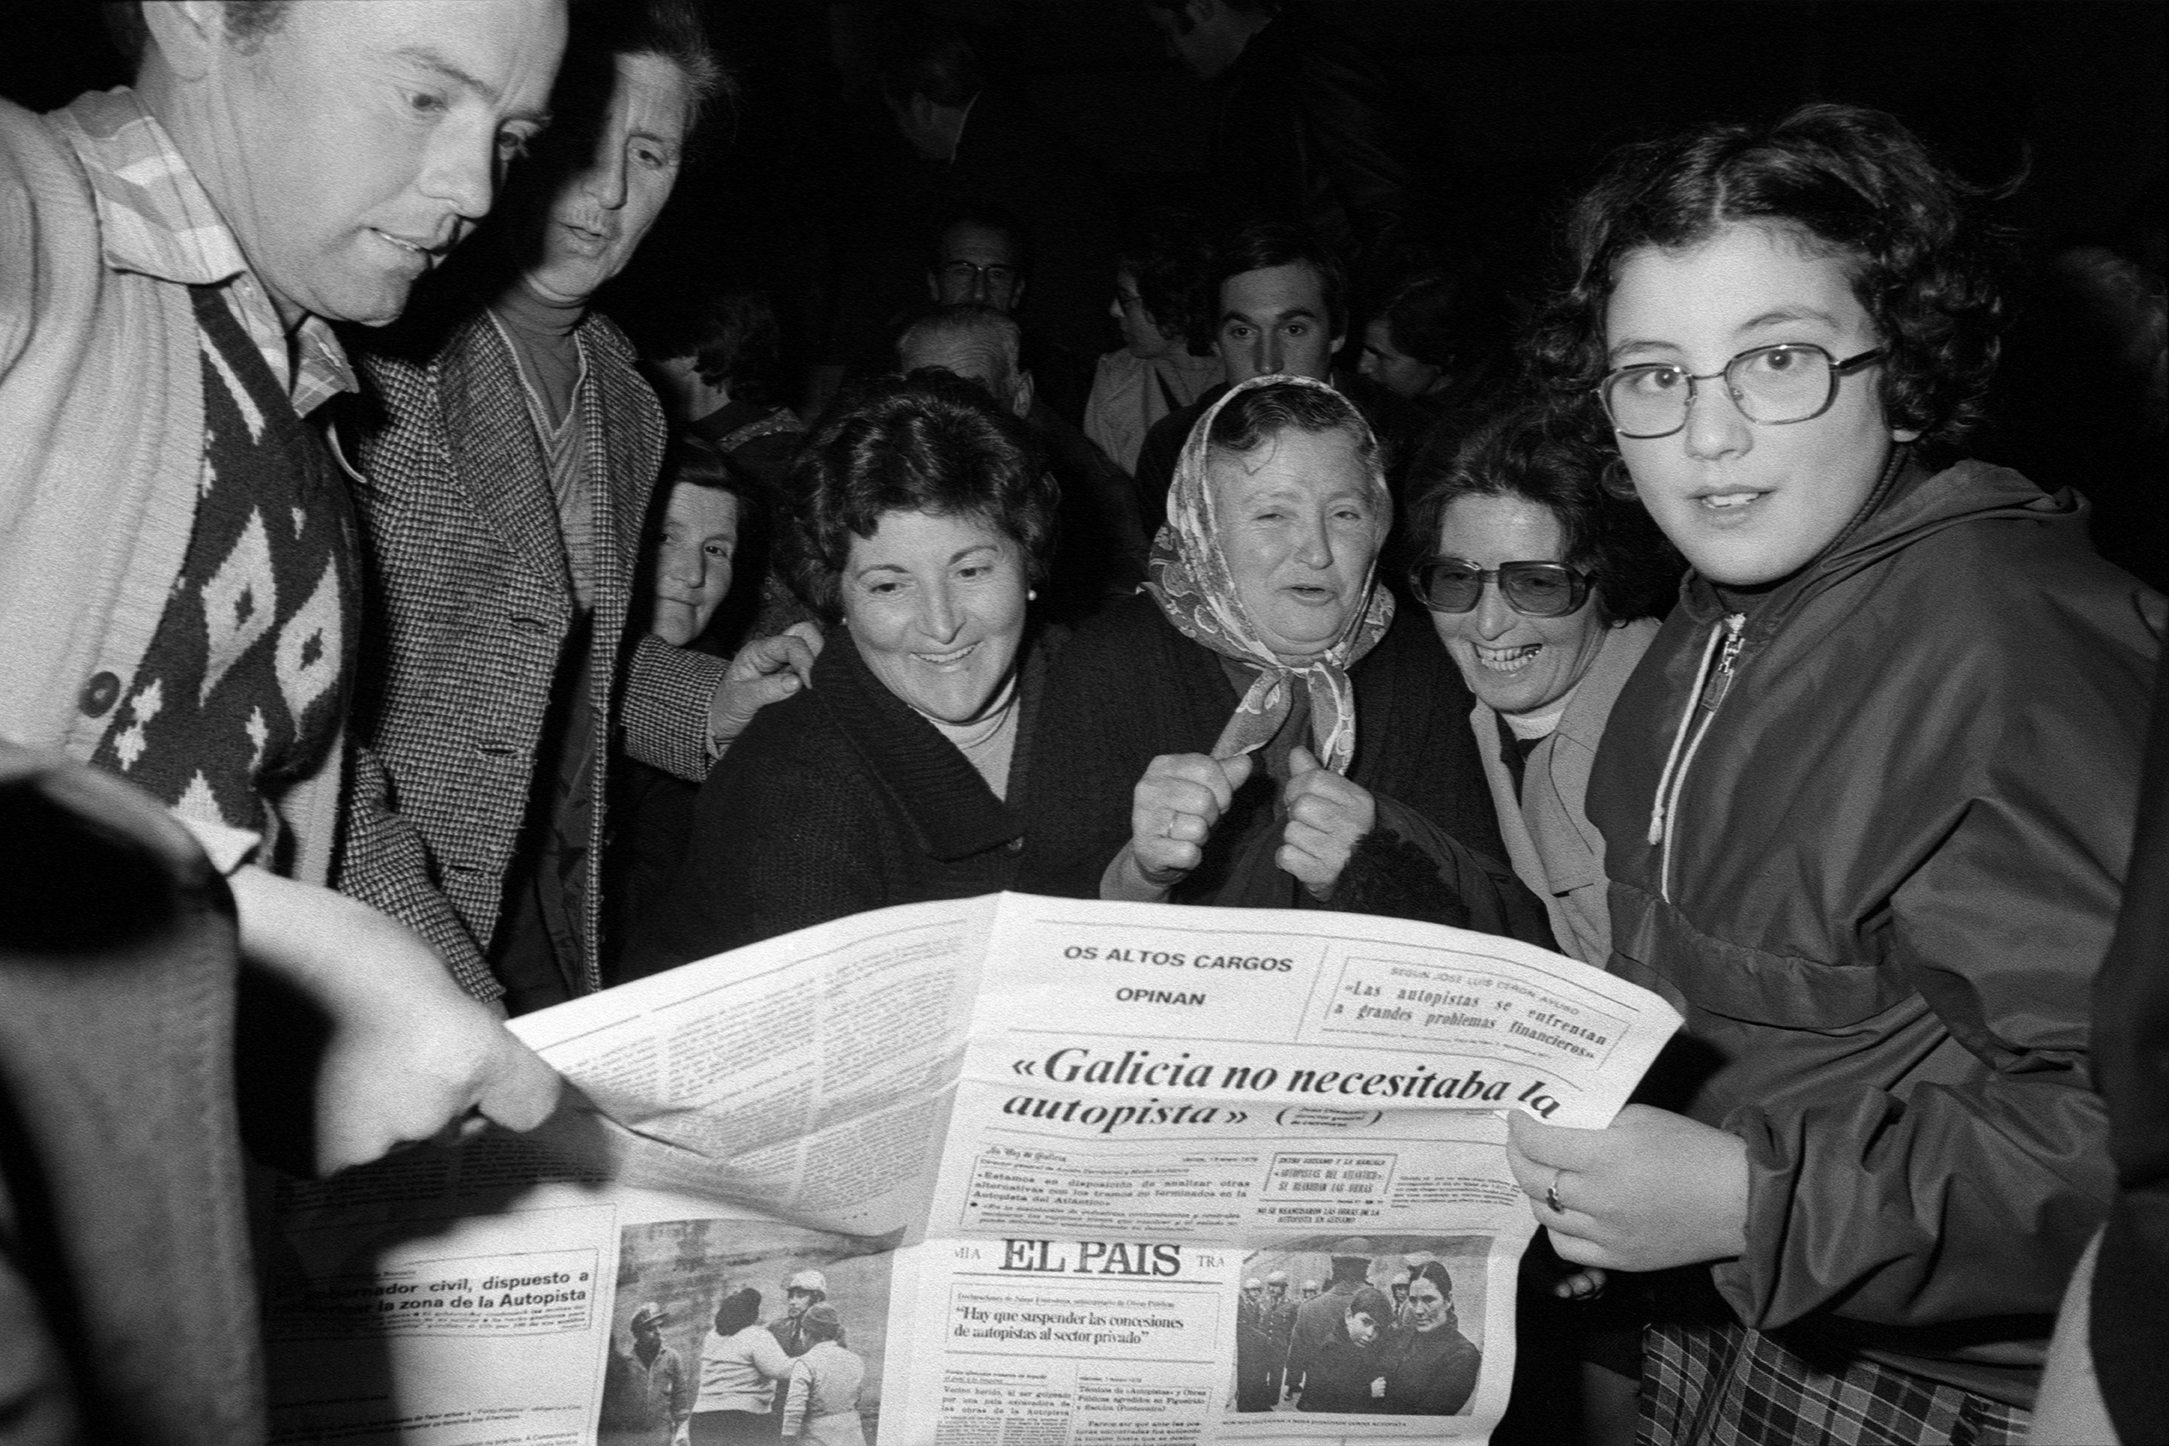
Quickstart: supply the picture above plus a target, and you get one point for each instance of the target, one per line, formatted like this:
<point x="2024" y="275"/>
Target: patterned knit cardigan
<point x="101" y="448"/>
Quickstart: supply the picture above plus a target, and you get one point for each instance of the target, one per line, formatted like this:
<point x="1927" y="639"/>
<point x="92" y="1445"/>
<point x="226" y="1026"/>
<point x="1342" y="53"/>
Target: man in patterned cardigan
<point x="176" y="590"/>
<point x="176" y="609"/>
<point x="508" y="477"/>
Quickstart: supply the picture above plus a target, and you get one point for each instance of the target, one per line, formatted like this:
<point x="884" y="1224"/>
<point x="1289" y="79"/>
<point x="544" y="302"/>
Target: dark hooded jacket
<point x="1883" y="872"/>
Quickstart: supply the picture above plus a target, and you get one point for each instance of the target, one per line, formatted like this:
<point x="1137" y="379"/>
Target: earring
<point x="1031" y="594"/>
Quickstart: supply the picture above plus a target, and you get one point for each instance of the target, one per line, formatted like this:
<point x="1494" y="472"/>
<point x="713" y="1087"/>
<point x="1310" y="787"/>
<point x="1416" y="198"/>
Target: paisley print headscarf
<point x="1189" y="577"/>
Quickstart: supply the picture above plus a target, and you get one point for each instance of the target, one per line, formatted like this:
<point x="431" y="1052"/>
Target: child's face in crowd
<point x="693" y="563"/>
<point x="1361" y="1328"/>
<point x="1748" y="503"/>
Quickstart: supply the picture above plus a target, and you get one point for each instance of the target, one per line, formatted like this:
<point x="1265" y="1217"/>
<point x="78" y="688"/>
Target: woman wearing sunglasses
<point x="1545" y="591"/>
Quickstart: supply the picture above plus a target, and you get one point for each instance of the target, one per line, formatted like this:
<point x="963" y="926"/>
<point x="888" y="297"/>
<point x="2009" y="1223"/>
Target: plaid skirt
<point x="1726" y="1385"/>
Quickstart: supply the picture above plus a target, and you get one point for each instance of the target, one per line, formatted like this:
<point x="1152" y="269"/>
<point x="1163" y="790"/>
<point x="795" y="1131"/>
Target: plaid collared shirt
<point x="156" y="219"/>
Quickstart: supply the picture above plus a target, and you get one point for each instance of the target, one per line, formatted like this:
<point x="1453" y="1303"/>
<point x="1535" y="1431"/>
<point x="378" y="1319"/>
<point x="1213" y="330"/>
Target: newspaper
<point x="1062" y="1171"/>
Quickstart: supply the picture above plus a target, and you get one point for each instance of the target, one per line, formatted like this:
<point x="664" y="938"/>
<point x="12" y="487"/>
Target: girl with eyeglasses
<point x="1866" y="800"/>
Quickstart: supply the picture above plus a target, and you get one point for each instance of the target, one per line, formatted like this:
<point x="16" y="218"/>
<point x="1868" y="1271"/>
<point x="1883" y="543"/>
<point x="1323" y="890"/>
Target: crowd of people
<point x="490" y="655"/>
<point x="793" y="1378"/>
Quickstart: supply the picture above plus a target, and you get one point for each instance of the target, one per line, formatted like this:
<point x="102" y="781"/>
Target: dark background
<point x="1525" y="95"/>
<point x="1521" y="98"/>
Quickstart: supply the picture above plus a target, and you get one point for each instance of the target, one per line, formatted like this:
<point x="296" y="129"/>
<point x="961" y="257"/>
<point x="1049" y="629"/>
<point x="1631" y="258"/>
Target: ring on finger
<point x="1551" y="1194"/>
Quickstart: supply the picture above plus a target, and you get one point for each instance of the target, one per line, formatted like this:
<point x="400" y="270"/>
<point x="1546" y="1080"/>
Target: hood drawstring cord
<point x="1659" y="805"/>
<point x="1663" y="812"/>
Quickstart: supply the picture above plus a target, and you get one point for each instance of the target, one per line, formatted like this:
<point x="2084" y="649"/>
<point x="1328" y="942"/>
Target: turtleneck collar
<point x="542" y="335"/>
<point x="536" y="319"/>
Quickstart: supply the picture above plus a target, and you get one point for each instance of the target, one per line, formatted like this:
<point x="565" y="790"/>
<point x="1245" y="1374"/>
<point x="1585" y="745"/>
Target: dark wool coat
<point x="1309" y="131"/>
<point x="470" y="608"/>
<point x="839" y="799"/>
<point x="1883" y="887"/>
<point x="128" y="1309"/>
<point x="1129" y="687"/>
<point x="1430" y="1373"/>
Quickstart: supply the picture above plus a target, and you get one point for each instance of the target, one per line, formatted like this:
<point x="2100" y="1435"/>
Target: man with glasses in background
<point x="979" y="257"/>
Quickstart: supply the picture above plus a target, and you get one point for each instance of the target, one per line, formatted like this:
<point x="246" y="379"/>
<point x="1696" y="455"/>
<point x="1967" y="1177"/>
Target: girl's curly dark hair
<point x="1525" y="453"/>
<point x="1929" y="257"/>
<point x="926" y="442"/>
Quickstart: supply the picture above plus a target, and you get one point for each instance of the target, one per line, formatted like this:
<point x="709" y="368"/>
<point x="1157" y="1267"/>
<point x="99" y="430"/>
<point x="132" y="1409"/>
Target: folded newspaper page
<point x="993" y="1172"/>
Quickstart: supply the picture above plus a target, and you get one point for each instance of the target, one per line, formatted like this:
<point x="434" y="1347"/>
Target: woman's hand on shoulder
<point x="1649" y="1191"/>
<point x="1173" y="810"/>
<point x="1328" y="815"/>
<point x="766" y="670"/>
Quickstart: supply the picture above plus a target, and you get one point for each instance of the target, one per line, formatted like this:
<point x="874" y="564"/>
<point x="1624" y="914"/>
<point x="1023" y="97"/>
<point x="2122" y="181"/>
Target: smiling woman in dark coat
<point x="923" y="514"/>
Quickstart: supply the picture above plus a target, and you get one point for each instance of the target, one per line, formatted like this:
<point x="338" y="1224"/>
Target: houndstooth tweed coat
<point x="469" y="605"/>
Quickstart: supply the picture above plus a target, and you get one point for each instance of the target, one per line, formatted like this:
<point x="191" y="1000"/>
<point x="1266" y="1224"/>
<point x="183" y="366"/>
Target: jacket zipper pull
<point x="1735" y="625"/>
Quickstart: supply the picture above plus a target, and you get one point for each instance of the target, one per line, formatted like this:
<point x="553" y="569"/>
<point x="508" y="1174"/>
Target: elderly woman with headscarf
<point x="922" y="517"/>
<point x="1256" y="728"/>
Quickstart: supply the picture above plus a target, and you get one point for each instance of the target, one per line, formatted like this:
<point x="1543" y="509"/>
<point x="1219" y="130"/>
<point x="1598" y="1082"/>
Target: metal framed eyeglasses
<point x="1533" y="589"/>
<point x="1773" y="386"/>
<point x="964" y="273"/>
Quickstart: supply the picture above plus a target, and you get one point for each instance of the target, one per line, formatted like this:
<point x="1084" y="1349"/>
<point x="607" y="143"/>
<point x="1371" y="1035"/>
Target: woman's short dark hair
<point x="927" y="442"/>
<point x="698" y="462"/>
<point x="1526" y="454"/>
<point x="1854" y="181"/>
<point x="734" y="339"/>
<point x="737" y="1310"/>
<point x="694" y="461"/>
<point x="822" y="1322"/>
<point x="1169" y="254"/>
<point x="1435" y="1272"/>
<point x="1252" y="417"/>
<point x="1373" y="1302"/>
<point x="1446" y="315"/>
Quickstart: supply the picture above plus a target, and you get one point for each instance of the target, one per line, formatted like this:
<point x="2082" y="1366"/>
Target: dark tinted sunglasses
<point x="1534" y="589"/>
